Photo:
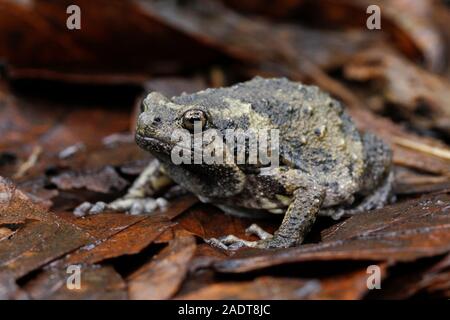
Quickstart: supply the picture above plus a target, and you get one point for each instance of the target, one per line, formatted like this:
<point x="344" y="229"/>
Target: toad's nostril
<point x="144" y="120"/>
<point x="148" y="120"/>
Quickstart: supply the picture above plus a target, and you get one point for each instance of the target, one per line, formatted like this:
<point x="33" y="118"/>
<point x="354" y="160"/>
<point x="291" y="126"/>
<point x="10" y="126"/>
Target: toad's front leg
<point x="298" y="220"/>
<point x="139" y="198"/>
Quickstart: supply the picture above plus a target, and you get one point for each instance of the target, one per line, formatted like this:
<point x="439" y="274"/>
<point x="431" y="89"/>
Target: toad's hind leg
<point x="376" y="183"/>
<point x="378" y="162"/>
<point x="139" y="198"/>
<point x="377" y="199"/>
<point x="298" y="220"/>
<point x="378" y="177"/>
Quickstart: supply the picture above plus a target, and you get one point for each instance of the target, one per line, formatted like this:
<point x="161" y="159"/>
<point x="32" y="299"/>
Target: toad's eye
<point x="191" y="117"/>
<point x="143" y="107"/>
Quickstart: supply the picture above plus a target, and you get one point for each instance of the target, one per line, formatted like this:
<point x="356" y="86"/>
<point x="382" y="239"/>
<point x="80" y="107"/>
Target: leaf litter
<point x="59" y="148"/>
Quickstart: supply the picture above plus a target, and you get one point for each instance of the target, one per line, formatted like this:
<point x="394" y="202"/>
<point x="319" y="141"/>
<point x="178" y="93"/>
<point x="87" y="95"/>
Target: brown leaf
<point x="438" y="286"/>
<point x="209" y="222"/>
<point x="103" y="226"/>
<point x="36" y="236"/>
<point x="423" y="98"/>
<point x="88" y="176"/>
<point x="205" y="256"/>
<point x="163" y="275"/>
<point x="169" y="234"/>
<point x="393" y="133"/>
<point x="27" y="123"/>
<point x="279" y="8"/>
<point x="244" y="38"/>
<point x="410" y="25"/>
<point x="97" y="283"/>
<point x="92" y="54"/>
<point x="9" y="290"/>
<point x="402" y="232"/>
<point x="415" y="18"/>
<point x="409" y="182"/>
<point x="129" y="239"/>
<point x="264" y="288"/>
<point x="346" y="286"/>
<point x="412" y="280"/>
<point x="104" y="180"/>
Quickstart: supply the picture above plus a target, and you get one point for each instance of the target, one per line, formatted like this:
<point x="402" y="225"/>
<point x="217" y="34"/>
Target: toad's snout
<point x="147" y="124"/>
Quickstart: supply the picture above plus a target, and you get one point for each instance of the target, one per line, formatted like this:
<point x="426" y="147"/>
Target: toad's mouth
<point x="153" y="144"/>
<point x="161" y="147"/>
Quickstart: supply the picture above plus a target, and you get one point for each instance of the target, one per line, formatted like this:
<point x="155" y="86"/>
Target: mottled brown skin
<point x="326" y="166"/>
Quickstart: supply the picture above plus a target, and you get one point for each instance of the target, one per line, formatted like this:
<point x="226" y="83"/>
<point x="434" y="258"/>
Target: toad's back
<point x="316" y="135"/>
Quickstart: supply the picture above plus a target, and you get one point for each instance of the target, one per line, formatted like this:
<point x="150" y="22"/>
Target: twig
<point x="424" y="148"/>
<point x="30" y="163"/>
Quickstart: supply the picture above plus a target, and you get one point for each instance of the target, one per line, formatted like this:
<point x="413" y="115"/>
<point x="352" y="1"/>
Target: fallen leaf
<point x="348" y="285"/>
<point x="426" y="106"/>
<point x="210" y="222"/>
<point x="408" y="182"/>
<point x="293" y="48"/>
<point x="37" y="237"/>
<point x="402" y="232"/>
<point x="9" y="290"/>
<point x="163" y="275"/>
<point x="410" y="280"/>
<point x="96" y="283"/>
<point x="390" y="132"/>
<point x="105" y="180"/>
<point x="264" y="288"/>
<point x="410" y="25"/>
<point x="129" y="239"/>
<point x="91" y="54"/>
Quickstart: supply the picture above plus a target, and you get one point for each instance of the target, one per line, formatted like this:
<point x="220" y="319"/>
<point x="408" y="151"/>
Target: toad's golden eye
<point x="191" y="117"/>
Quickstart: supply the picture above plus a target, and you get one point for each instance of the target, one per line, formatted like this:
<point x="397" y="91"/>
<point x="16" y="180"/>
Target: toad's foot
<point x="232" y="242"/>
<point x="139" y="198"/>
<point x="133" y="206"/>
